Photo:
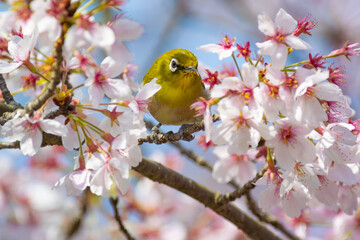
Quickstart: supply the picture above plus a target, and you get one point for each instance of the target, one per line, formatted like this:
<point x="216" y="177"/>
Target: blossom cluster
<point x="27" y="62"/>
<point x="295" y="117"/>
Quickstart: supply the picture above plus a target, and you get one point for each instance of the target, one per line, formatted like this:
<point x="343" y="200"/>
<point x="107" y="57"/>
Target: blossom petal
<point x="296" y="43"/>
<point x="126" y="29"/>
<point x="6" y="67"/>
<point x="111" y="67"/>
<point x="148" y="90"/>
<point x="117" y="89"/>
<point x="328" y="91"/>
<point x="267" y="48"/>
<point x="31" y="143"/>
<point x="101" y="36"/>
<point x="96" y="94"/>
<point x="250" y="74"/>
<point x="53" y="127"/>
<point x="284" y="22"/>
<point x="266" y="25"/>
<point x="279" y="58"/>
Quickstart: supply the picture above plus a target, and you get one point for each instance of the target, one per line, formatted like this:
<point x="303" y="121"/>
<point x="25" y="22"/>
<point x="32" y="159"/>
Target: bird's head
<point x="179" y="64"/>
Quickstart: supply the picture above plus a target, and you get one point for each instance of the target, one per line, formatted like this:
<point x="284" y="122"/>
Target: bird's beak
<point x="192" y="69"/>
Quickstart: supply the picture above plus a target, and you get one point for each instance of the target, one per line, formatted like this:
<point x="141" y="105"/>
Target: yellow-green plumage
<point x="181" y="86"/>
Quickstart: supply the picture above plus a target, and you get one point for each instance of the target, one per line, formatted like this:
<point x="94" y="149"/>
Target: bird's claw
<point x="184" y="135"/>
<point x="155" y="133"/>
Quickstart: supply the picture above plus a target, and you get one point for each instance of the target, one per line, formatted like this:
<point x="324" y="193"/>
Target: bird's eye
<point x="173" y="65"/>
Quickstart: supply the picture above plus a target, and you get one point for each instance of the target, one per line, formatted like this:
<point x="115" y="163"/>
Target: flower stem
<point x="237" y="66"/>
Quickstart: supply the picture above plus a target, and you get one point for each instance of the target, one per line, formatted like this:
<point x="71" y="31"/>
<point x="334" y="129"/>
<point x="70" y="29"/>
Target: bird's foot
<point x="155" y="134"/>
<point x="184" y="134"/>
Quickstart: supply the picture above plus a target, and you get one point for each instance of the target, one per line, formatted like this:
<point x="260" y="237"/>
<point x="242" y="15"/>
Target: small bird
<point x="181" y="85"/>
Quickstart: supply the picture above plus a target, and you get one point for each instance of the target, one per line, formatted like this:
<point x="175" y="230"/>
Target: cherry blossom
<point x="290" y="143"/>
<point x="238" y="126"/>
<point x="101" y="82"/>
<point x="29" y="131"/>
<point x="19" y="49"/>
<point x="279" y="38"/>
<point x="232" y="167"/>
<point x="224" y="49"/>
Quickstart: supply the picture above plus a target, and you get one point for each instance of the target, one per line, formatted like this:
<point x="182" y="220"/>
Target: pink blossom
<point x="304" y="25"/>
<point x="291" y="144"/>
<point x="29" y="131"/>
<point x="292" y="201"/>
<point x="87" y="32"/>
<point x="348" y="50"/>
<point x="238" y="126"/>
<point x="19" y="49"/>
<point x="243" y="90"/>
<point x="211" y="78"/>
<point x="312" y="88"/>
<point x="280" y="37"/>
<point x="232" y="167"/>
<point x="101" y="81"/>
<point x="224" y="49"/>
<point x="315" y="62"/>
<point x="76" y="181"/>
<point x="244" y="51"/>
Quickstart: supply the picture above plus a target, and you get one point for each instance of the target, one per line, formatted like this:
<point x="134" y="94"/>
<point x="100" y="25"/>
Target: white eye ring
<point x="173" y="64"/>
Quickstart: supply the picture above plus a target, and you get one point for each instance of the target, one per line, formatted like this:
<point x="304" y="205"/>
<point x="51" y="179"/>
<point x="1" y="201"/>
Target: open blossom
<point x="239" y="126"/>
<point x="101" y="81"/>
<point x="313" y="87"/>
<point x="243" y="90"/>
<point x="292" y="201"/>
<point x="87" y="32"/>
<point x="232" y="167"/>
<point x="76" y="181"/>
<point x="19" y="49"/>
<point x="113" y="167"/>
<point x="244" y="51"/>
<point x="224" y="49"/>
<point x="291" y="144"/>
<point x="279" y="38"/>
<point x="338" y="152"/>
<point x="29" y="131"/>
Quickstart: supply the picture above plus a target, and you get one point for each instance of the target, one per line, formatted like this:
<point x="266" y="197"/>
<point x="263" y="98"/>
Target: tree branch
<point x="262" y="216"/>
<point x="157" y="172"/>
<point x="122" y="227"/>
<point x="75" y="226"/>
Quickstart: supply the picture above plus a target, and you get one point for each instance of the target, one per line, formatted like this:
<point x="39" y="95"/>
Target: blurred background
<point x="31" y="210"/>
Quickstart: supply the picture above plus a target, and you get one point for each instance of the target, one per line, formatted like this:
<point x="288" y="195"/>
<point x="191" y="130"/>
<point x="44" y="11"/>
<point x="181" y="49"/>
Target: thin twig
<point x="4" y="145"/>
<point x="237" y="66"/>
<point x="264" y="217"/>
<point x="76" y="224"/>
<point x="7" y="95"/>
<point x="185" y="133"/>
<point x="229" y="197"/>
<point x="122" y="227"/>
